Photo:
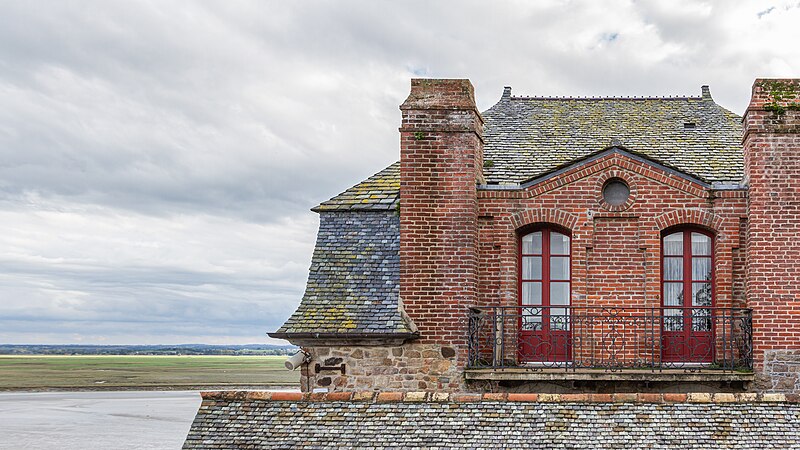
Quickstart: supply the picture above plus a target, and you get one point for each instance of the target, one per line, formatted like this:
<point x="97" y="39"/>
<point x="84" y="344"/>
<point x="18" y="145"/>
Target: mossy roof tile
<point x="526" y="137"/>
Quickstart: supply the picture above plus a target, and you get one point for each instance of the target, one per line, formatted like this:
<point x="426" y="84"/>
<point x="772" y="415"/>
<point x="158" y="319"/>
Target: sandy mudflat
<point x="96" y="420"/>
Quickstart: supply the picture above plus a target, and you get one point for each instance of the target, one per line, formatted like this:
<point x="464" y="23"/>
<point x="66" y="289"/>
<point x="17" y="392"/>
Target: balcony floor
<point x="679" y="375"/>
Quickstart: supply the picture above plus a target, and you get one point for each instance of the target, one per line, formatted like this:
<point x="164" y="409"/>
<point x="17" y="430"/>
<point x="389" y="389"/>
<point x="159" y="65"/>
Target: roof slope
<point x="354" y="280"/>
<point x="527" y="137"/>
<point x="246" y="423"/>
<point x="378" y="192"/>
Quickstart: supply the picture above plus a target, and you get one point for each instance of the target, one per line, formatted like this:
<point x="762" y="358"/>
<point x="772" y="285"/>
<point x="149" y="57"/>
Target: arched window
<point x="544" y="294"/>
<point x="687" y="294"/>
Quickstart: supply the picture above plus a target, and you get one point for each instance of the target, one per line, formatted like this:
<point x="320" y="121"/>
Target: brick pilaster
<point x="441" y="154"/>
<point x="772" y="168"/>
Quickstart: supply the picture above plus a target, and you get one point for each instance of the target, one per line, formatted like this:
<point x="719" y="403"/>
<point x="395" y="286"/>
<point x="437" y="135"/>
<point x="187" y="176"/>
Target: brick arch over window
<point x="544" y="215"/>
<point x="682" y="217"/>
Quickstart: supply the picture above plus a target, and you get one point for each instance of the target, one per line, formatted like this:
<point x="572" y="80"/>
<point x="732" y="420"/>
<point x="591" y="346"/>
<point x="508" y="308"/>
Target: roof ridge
<point x="573" y="97"/>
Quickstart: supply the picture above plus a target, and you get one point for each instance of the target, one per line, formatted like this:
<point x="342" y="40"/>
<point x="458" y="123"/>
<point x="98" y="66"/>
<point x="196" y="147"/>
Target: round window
<point x="616" y="192"/>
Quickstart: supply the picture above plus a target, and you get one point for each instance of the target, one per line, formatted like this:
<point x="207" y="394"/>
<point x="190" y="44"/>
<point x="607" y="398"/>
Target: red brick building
<point x="599" y="244"/>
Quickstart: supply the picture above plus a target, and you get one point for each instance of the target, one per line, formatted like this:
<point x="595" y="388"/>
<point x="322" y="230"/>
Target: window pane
<point x="531" y="267"/>
<point x="673" y="320"/>
<point x="673" y="294"/>
<point x="532" y="293"/>
<point x="559" y="319"/>
<point x="559" y="267"/>
<point x="701" y="320"/>
<point x="532" y="243"/>
<point x="673" y="268"/>
<point x="701" y="269"/>
<point x="532" y="319"/>
<point x="559" y="244"/>
<point x="673" y="244"/>
<point x="701" y="294"/>
<point x="701" y="244"/>
<point x="559" y="293"/>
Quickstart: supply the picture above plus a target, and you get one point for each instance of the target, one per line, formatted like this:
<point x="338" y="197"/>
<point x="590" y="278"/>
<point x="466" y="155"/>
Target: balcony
<point x="546" y="343"/>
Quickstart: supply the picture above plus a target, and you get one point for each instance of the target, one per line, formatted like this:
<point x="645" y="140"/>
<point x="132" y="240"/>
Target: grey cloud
<point x="158" y="159"/>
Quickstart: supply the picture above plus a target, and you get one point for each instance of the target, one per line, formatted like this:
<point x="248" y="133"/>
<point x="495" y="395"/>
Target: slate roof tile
<point x="354" y="280"/>
<point x="526" y="137"/>
<point x="379" y="192"/>
<point x="491" y="425"/>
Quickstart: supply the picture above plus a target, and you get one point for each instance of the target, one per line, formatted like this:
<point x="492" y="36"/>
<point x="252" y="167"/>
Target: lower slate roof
<point x="433" y="420"/>
<point x="354" y="281"/>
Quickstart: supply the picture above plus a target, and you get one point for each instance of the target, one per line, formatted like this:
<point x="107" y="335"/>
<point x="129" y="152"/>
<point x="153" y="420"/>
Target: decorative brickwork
<point x="615" y="255"/>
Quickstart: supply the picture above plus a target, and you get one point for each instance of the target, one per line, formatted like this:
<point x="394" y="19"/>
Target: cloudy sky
<point x="158" y="159"/>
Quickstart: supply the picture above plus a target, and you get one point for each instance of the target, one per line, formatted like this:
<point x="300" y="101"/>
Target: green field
<point x="147" y="372"/>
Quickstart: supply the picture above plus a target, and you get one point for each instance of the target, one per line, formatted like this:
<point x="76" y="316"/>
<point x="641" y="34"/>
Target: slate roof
<point x="250" y="423"/>
<point x="378" y="192"/>
<point x="354" y="280"/>
<point x="527" y="137"/>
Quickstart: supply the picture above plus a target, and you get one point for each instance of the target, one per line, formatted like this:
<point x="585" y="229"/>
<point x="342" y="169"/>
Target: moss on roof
<point x="526" y="137"/>
<point x="379" y="192"/>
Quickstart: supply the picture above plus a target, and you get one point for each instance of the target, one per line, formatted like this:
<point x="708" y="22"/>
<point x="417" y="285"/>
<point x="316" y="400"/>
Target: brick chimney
<point x="772" y="169"/>
<point x="441" y="160"/>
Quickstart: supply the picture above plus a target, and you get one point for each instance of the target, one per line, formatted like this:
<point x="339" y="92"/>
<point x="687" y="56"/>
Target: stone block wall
<point x="410" y="367"/>
<point x="781" y="372"/>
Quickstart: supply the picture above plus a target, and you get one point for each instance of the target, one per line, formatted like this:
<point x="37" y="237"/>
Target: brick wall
<point x="441" y="161"/>
<point x="772" y="166"/>
<point x="615" y="251"/>
<point x="615" y="254"/>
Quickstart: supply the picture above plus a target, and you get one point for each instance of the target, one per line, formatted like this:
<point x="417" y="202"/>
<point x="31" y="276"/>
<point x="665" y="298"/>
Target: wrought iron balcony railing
<point x="610" y="338"/>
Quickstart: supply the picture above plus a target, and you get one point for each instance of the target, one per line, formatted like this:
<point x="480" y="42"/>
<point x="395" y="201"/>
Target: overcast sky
<point x="158" y="159"/>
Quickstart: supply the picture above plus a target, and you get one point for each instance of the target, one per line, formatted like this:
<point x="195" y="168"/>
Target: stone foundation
<point x="409" y="367"/>
<point x="781" y="372"/>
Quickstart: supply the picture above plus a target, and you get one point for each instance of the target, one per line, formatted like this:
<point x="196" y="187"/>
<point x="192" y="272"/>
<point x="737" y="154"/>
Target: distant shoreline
<point x="147" y="350"/>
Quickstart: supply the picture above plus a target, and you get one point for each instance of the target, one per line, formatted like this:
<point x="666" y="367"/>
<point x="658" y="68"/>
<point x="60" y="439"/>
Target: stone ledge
<point x="444" y="397"/>
<point x="670" y="375"/>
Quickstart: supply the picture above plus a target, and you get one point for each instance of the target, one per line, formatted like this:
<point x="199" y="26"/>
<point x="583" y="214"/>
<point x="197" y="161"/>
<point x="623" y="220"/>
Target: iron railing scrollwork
<point x="610" y="338"/>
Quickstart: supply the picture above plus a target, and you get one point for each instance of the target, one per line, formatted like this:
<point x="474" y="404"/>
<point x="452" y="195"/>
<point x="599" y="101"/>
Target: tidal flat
<point x="81" y="372"/>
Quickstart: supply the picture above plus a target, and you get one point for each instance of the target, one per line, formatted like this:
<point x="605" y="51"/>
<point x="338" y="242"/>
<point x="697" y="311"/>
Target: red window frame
<point x="687" y="344"/>
<point x="545" y="344"/>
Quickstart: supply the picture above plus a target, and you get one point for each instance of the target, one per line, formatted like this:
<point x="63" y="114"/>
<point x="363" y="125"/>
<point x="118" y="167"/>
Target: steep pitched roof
<point x="527" y="137"/>
<point x="379" y="192"/>
<point x="354" y="281"/>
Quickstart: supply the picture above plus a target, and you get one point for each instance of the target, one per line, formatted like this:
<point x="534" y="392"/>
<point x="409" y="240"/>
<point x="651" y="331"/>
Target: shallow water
<point x="96" y="420"/>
